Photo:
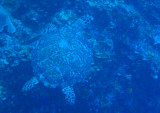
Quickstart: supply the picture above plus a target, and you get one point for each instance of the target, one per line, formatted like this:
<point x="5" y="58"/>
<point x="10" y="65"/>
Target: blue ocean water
<point x="79" y="56"/>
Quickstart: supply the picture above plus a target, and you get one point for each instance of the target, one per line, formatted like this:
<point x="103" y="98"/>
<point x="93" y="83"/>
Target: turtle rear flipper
<point x="69" y="94"/>
<point x="30" y="84"/>
<point x="6" y="21"/>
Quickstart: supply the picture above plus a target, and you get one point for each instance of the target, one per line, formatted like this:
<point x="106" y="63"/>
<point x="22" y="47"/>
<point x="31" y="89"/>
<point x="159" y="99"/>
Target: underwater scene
<point x="79" y="56"/>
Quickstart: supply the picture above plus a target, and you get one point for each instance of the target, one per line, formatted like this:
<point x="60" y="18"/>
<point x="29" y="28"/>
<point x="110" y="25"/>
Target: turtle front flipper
<point x="30" y="84"/>
<point x="69" y="94"/>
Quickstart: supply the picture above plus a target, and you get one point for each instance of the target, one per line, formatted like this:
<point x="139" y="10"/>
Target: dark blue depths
<point x="124" y="38"/>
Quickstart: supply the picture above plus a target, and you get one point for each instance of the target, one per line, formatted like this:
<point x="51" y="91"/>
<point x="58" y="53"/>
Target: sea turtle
<point x="62" y="58"/>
